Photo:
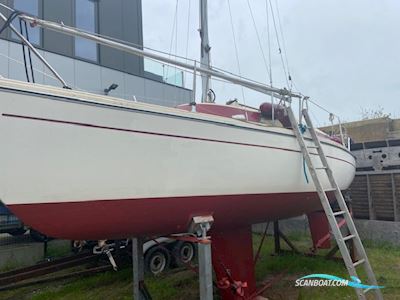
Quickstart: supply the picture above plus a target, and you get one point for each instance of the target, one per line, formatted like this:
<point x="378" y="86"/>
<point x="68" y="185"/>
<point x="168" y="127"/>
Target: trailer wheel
<point x="156" y="260"/>
<point x="184" y="253"/>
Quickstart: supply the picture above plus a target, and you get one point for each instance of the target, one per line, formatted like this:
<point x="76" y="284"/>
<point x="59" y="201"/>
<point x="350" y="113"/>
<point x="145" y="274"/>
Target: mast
<point x="204" y="50"/>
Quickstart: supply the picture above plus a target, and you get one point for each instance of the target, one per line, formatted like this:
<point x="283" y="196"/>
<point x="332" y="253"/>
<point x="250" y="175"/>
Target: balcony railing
<point x="165" y="73"/>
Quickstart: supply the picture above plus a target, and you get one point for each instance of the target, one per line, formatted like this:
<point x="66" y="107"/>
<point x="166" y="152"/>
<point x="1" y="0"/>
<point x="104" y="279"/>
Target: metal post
<point x="45" y="247"/>
<point x="272" y="110"/>
<point x="395" y="212"/>
<point x="200" y="225"/>
<point x="194" y="82"/>
<point x="300" y="111"/>
<point x="277" y="237"/>
<point x="370" y="204"/>
<point x="138" y="268"/>
<point x="205" y="49"/>
<point x="341" y="131"/>
<point x="205" y="270"/>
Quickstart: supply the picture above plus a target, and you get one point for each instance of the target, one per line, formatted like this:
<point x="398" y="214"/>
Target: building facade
<point x="82" y="63"/>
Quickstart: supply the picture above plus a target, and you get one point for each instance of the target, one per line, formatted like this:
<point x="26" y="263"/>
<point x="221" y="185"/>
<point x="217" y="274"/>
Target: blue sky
<point x="344" y="54"/>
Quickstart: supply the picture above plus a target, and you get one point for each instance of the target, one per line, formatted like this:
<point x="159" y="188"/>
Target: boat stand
<point x="230" y="254"/>
<point x="318" y="243"/>
<point x="201" y="225"/>
<point x="278" y="234"/>
<point x="140" y="291"/>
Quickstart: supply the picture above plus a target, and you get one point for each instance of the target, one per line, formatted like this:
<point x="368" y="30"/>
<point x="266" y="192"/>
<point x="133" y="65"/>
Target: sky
<point x="345" y="55"/>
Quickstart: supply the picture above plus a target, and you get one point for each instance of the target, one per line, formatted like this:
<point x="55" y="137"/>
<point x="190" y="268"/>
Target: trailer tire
<point x="156" y="260"/>
<point x="184" y="253"/>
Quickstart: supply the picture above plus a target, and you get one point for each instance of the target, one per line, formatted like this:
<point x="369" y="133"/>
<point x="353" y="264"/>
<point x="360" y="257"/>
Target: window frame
<point x="11" y="35"/>
<point x="96" y="28"/>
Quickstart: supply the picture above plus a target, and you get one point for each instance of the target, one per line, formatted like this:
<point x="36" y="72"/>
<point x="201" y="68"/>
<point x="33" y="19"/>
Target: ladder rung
<point x="338" y="213"/>
<point x="346" y="238"/>
<point x="321" y="168"/>
<point x="313" y="147"/>
<point x="359" y="262"/>
<point x="330" y="190"/>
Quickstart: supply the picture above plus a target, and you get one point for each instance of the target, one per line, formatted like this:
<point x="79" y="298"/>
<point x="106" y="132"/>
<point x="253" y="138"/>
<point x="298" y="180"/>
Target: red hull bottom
<point x="112" y="219"/>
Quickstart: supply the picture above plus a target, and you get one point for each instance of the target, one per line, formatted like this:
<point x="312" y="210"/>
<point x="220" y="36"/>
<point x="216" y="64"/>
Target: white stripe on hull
<point x="62" y="159"/>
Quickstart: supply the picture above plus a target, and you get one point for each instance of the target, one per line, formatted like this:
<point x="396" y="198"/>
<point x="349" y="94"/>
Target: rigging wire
<point x="283" y="40"/>
<point x="21" y="63"/>
<point x="268" y="42"/>
<point x="174" y="29"/>
<point x="157" y="51"/>
<point x="236" y="51"/>
<point x="322" y="108"/>
<point x="279" y="44"/>
<point x="315" y="118"/>
<point x="269" y="59"/>
<point x="258" y="37"/>
<point x="173" y="26"/>
<point x="173" y="32"/>
<point x="176" y="38"/>
<point x="187" y="32"/>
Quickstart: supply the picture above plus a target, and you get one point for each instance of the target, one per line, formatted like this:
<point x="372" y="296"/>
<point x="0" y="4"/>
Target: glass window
<point x="85" y="18"/>
<point x="30" y="7"/>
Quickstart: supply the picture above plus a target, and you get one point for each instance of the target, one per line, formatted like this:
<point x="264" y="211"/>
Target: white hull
<point x="65" y="146"/>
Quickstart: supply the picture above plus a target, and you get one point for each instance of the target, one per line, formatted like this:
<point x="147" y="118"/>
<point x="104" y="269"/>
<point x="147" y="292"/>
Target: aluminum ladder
<point x="362" y="259"/>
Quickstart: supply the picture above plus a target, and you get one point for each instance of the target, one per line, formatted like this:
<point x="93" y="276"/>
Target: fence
<point x="375" y="195"/>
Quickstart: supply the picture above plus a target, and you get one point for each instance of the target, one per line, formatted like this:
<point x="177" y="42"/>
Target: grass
<point x="385" y="260"/>
<point x="182" y="285"/>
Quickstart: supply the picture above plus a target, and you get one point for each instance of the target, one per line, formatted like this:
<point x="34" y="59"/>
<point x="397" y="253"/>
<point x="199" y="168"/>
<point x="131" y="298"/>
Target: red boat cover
<point x="279" y="113"/>
<point x="223" y="110"/>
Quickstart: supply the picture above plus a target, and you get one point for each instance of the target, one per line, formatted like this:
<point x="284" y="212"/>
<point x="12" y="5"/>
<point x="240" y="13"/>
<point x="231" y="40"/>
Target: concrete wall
<point x="15" y="256"/>
<point x="90" y="77"/>
<point x="26" y="253"/>
<point x="369" y="130"/>
<point x="379" y="231"/>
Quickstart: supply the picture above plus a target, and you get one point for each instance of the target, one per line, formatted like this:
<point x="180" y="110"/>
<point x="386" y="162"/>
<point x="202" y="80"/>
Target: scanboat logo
<point x="331" y="280"/>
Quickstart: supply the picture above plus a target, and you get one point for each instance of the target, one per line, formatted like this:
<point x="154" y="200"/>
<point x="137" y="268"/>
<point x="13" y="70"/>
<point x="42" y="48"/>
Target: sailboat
<point x="82" y="166"/>
<point x="78" y="165"/>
